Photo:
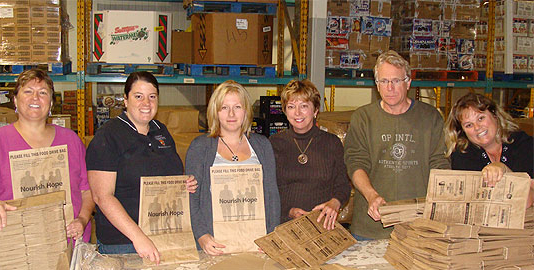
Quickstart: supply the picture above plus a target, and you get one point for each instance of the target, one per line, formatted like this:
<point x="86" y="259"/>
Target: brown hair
<point x="304" y="90"/>
<point x="455" y="137"/>
<point x="34" y="74"/>
<point x="215" y="104"/>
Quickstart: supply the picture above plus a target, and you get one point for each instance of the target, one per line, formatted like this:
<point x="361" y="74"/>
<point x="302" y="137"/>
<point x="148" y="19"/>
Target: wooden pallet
<point x="234" y="7"/>
<point x="115" y="68"/>
<point x="347" y="73"/>
<point x="230" y="70"/>
<point x="56" y="68"/>
<point x="444" y="75"/>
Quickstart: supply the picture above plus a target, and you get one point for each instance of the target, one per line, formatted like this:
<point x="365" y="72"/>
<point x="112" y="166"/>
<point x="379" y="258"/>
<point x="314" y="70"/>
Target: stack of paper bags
<point x="303" y="242"/>
<point x="35" y="234"/>
<point x="427" y="244"/>
<point x="393" y="213"/>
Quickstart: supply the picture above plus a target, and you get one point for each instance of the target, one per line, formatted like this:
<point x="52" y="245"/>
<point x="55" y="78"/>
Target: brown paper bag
<point x="238" y="206"/>
<point x="164" y="218"/>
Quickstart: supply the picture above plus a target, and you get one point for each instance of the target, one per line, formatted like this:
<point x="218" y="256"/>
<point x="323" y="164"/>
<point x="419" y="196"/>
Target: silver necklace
<point x="234" y="156"/>
<point x="303" y="158"/>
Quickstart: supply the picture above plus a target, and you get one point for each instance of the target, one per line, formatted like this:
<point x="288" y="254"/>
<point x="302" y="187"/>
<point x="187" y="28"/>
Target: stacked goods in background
<point x="31" y="32"/>
<point x="131" y="37"/>
<point x="108" y="106"/>
<point x="427" y="244"/>
<point x="436" y="35"/>
<point x="515" y="45"/>
<point x="357" y="32"/>
<point x="272" y="119"/>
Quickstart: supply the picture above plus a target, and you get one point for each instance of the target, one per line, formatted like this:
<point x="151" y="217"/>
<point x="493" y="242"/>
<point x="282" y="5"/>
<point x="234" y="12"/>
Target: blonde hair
<point x="393" y="58"/>
<point x="304" y="89"/>
<point x="455" y="137"/>
<point x="215" y="104"/>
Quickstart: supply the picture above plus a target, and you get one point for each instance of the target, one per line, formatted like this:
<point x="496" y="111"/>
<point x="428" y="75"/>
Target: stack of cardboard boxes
<point x="30" y="31"/>
<point x="357" y="32"/>
<point x="436" y="35"/>
<point x="522" y="28"/>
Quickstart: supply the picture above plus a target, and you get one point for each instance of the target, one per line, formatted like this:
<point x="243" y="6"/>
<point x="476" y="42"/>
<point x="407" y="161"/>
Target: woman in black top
<point x="124" y="149"/>
<point x="480" y="136"/>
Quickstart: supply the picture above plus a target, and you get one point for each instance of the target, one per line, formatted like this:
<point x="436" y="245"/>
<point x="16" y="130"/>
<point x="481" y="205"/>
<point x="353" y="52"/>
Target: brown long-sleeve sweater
<point x="322" y="178"/>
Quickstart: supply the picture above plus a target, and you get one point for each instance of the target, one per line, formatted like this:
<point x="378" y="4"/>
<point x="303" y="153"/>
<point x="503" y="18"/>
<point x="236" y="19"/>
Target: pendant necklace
<point x="234" y="156"/>
<point x="303" y="158"/>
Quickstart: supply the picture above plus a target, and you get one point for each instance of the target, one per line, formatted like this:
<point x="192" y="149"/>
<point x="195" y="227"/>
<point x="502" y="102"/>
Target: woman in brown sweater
<point x="310" y="170"/>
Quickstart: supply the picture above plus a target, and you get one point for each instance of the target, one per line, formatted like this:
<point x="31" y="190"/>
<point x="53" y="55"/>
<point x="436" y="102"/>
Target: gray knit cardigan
<point x="199" y="159"/>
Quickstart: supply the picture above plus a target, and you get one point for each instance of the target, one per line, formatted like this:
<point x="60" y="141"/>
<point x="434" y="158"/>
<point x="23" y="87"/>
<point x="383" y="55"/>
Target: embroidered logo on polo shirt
<point x="161" y="139"/>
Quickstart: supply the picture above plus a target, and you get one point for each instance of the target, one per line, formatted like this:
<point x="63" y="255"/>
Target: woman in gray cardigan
<point x="229" y="142"/>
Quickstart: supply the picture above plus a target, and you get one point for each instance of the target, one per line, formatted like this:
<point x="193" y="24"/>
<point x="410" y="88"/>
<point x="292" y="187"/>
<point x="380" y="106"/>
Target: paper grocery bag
<point x="41" y="171"/>
<point x="164" y="218"/>
<point x="238" y="206"/>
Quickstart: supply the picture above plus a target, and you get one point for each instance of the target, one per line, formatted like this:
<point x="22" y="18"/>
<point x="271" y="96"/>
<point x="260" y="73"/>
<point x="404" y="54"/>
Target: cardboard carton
<point x="338" y="8"/>
<point x="232" y="38"/>
<point x="381" y="8"/>
<point x="134" y="37"/>
<point x="178" y="119"/>
<point x="7" y="116"/>
<point x="62" y="120"/>
<point x="182" y="47"/>
<point x="182" y="142"/>
<point x="359" y="41"/>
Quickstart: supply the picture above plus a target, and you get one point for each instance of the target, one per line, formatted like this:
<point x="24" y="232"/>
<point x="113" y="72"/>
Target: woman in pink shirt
<point x="33" y="101"/>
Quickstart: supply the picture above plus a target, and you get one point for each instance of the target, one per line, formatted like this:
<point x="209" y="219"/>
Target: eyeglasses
<point x="395" y="81"/>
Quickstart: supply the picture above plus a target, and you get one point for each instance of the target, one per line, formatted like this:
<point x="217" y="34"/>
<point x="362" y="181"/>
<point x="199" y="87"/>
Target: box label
<point x="241" y="24"/>
<point x="132" y="32"/>
<point x="6" y="12"/>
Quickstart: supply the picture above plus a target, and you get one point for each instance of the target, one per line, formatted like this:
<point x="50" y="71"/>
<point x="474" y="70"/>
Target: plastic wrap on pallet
<point x="31" y="32"/>
<point x="360" y="7"/>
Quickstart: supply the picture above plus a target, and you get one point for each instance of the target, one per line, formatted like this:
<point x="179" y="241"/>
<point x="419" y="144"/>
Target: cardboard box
<point x="182" y="47"/>
<point x="520" y="63"/>
<point x="379" y="44"/>
<point x="381" y="8"/>
<point x="525" y="124"/>
<point x="178" y="119"/>
<point x="359" y="41"/>
<point x="332" y="58"/>
<point x="465" y="30"/>
<point x="232" y="38"/>
<point x="62" y="120"/>
<point x="423" y="10"/>
<point x="68" y="109"/>
<point x="428" y="61"/>
<point x="338" y="8"/>
<point x="7" y="116"/>
<point x="182" y="142"/>
<point x="134" y="37"/>
<point x="336" y="123"/>
<point x="69" y="97"/>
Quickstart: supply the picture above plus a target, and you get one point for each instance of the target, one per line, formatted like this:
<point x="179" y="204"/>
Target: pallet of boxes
<point x="32" y="33"/>
<point x="466" y="225"/>
<point x="357" y="32"/>
<point x="434" y="35"/>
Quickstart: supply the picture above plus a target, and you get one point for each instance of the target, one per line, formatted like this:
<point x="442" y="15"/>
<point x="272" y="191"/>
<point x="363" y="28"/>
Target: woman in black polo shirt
<point x="124" y="149"/>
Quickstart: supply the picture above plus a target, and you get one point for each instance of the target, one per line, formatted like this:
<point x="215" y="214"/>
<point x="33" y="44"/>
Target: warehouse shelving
<point x="83" y="81"/>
